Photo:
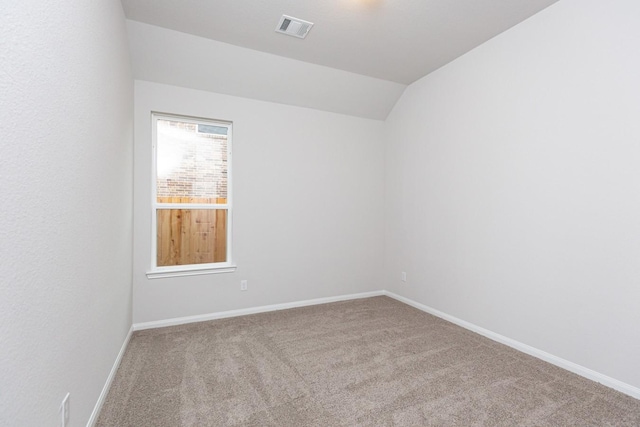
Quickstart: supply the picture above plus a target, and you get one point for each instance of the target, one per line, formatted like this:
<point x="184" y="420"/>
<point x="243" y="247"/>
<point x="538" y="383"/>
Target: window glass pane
<point x="215" y="130"/>
<point x="191" y="162"/>
<point x="191" y="236"/>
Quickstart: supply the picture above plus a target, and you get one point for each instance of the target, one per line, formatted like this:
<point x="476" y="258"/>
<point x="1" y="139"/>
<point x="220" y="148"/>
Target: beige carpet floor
<point x="368" y="362"/>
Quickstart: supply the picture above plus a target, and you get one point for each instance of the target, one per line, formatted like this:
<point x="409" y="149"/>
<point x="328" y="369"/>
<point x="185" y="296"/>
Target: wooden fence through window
<point x="191" y="236"/>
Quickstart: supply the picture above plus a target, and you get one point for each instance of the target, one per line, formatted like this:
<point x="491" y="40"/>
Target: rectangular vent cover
<point x="294" y="26"/>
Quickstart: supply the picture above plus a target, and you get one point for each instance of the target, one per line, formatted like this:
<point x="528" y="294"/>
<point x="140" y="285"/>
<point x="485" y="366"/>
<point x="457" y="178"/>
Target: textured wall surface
<point x="66" y="190"/>
<point x="307" y="193"/>
<point x="513" y="186"/>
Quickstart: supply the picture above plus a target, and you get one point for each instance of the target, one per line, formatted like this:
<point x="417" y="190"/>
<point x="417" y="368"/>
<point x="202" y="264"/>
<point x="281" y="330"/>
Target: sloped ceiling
<point x="356" y="60"/>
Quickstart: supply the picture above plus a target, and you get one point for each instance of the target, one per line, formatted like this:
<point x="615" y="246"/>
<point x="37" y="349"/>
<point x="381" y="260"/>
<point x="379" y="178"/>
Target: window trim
<point x="189" y="269"/>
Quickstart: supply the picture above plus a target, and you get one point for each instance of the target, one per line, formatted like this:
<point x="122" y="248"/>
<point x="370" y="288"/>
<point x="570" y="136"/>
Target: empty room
<point x="319" y="213"/>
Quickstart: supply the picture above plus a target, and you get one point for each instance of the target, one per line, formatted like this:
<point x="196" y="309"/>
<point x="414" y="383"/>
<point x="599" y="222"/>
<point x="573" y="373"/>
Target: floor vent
<point x="293" y="26"/>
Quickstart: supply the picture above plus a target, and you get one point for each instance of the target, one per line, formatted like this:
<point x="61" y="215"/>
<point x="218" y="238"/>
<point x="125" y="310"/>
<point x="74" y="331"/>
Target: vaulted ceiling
<point x="397" y="41"/>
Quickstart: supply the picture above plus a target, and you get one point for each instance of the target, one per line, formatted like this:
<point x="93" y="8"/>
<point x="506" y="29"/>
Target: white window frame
<point x="190" y="269"/>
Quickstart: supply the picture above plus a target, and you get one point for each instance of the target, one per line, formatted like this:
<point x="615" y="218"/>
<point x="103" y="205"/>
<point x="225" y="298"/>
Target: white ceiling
<point x="165" y="56"/>
<point x="395" y="40"/>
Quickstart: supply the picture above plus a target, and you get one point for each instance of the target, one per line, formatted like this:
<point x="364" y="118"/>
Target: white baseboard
<point x="547" y="357"/>
<point x="105" y="390"/>
<point x="252" y="310"/>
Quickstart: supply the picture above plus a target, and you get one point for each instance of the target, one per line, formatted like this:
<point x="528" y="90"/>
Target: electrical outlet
<point x="243" y="285"/>
<point x="64" y="411"/>
<point x="403" y="277"/>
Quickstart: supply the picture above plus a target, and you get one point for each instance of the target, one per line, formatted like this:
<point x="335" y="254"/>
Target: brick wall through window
<point x="190" y="163"/>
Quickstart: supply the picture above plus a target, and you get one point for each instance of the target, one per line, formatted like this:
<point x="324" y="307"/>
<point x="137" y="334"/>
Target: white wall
<point x="513" y="186"/>
<point x="66" y="229"/>
<point x="308" y="216"/>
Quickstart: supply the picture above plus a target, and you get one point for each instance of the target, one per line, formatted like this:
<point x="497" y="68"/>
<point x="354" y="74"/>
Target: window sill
<point x="159" y="274"/>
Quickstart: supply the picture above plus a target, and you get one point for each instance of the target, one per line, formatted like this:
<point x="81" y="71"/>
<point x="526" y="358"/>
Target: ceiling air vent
<point x="293" y="26"/>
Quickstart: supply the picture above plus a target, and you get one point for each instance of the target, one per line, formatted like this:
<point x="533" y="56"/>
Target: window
<point x="191" y="207"/>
